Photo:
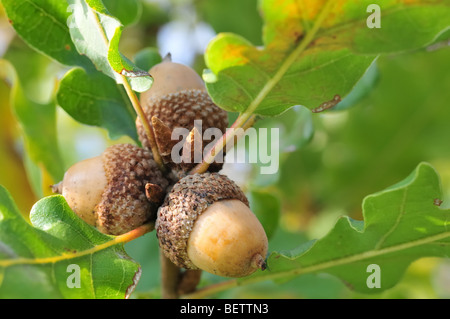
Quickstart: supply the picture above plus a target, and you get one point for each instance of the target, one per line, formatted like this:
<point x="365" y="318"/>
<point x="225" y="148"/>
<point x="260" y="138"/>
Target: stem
<point x="271" y="83"/>
<point x="147" y="127"/>
<point x="136" y="104"/>
<point x="189" y="281"/>
<point x="170" y="277"/>
<point x="223" y="142"/>
<point x="251" y="121"/>
<point x="124" y="238"/>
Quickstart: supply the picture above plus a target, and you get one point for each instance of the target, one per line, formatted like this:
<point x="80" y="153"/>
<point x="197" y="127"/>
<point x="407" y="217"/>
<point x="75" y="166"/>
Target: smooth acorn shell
<point x="227" y="240"/>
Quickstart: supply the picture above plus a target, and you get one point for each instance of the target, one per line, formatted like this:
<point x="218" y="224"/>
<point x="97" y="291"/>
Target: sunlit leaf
<point x="96" y="34"/>
<point x="59" y="255"/>
<point x="401" y="224"/>
<point x="313" y="51"/>
<point x="43" y="25"/>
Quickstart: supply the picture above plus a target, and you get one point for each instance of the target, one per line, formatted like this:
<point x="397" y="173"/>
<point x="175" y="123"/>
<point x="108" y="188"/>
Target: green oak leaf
<point x="59" y="255"/>
<point x="401" y="224"/>
<point x="42" y="24"/>
<point x="95" y="99"/>
<point x="96" y="34"/>
<point x="361" y="89"/>
<point x="314" y="51"/>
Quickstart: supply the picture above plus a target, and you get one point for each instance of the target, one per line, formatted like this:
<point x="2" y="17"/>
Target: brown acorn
<point x="117" y="191"/>
<point x="206" y="223"/>
<point x="177" y="98"/>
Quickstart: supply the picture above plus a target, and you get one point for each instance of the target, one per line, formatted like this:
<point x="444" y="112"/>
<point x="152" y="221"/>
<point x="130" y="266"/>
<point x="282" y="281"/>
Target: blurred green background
<point x="335" y="160"/>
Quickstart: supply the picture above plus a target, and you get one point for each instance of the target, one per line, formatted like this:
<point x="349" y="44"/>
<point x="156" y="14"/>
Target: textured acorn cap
<point x="117" y="191"/>
<point x="187" y="200"/>
<point x="176" y="99"/>
<point x="124" y="204"/>
<point x="181" y="109"/>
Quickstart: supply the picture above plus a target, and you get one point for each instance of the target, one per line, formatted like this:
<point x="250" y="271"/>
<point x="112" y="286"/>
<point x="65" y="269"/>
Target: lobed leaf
<point x="96" y="34"/>
<point x="42" y="24"/>
<point x="401" y="224"/>
<point x="48" y="27"/>
<point x="314" y="51"/>
<point x="36" y="261"/>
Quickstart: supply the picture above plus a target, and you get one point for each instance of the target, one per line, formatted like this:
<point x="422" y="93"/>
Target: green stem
<point x="124" y="238"/>
<point x="145" y="123"/>
<point x="136" y="104"/>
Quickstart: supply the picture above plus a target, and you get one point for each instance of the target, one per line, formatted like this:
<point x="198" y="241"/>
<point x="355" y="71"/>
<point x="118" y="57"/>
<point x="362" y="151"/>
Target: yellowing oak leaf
<point x="314" y="51"/>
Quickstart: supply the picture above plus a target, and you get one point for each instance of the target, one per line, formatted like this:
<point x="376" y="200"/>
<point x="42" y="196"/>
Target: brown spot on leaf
<point x="437" y="202"/>
<point x="327" y="105"/>
<point x="131" y="287"/>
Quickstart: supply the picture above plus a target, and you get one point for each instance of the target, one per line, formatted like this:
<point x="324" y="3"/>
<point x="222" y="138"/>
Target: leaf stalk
<point x="121" y="239"/>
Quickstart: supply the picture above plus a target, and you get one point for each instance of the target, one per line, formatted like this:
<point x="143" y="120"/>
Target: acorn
<point x="206" y="223"/>
<point x="117" y="191"/>
<point x="177" y="98"/>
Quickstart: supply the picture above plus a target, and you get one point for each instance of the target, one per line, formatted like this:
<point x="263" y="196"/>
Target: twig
<point x="170" y="277"/>
<point x="145" y="123"/>
<point x="134" y="101"/>
<point x="189" y="281"/>
<point x="241" y="122"/>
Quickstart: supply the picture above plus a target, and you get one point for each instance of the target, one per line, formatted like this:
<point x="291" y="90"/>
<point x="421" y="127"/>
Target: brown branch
<point x="170" y="277"/>
<point x="189" y="281"/>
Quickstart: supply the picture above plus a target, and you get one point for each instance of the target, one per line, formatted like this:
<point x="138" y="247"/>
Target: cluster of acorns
<point x="202" y="221"/>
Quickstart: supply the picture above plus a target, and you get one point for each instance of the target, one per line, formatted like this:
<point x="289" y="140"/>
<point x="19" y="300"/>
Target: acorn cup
<point x="206" y="223"/>
<point x="117" y="191"/>
<point x="177" y="99"/>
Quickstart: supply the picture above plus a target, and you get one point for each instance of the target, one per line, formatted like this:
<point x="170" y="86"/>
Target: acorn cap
<point x="124" y="204"/>
<point x="187" y="200"/>
<point x="181" y="109"/>
<point x="178" y="98"/>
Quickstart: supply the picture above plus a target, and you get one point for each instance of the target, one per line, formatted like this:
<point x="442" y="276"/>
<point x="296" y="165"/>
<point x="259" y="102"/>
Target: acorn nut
<point x="205" y="223"/>
<point x="177" y="98"/>
<point x="109" y="191"/>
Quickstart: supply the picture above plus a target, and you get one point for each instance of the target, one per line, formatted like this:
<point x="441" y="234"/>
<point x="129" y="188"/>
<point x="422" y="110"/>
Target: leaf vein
<point x="397" y="221"/>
